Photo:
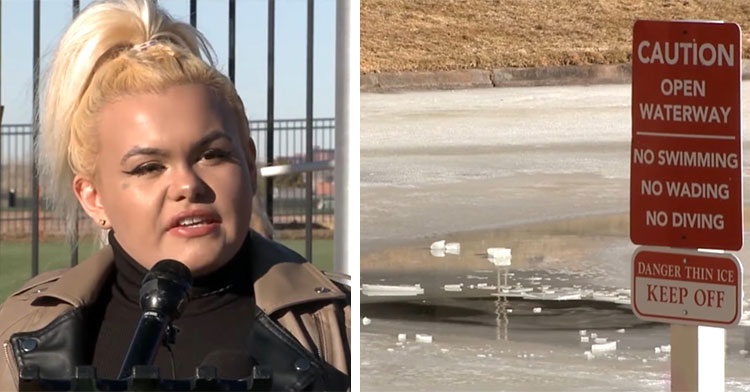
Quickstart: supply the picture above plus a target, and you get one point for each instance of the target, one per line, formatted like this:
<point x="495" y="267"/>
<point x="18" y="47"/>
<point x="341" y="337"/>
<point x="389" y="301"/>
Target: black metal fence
<point x="16" y="194"/>
<point x="318" y="191"/>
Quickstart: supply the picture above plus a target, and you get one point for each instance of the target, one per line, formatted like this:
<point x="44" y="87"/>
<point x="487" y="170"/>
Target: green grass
<point x="15" y="259"/>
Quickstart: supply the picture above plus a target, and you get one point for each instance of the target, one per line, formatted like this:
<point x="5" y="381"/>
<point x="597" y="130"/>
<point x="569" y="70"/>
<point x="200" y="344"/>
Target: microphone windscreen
<point x="166" y="288"/>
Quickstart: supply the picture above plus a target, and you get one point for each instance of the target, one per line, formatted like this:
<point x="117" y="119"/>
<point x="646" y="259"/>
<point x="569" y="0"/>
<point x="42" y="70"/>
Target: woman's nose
<point x="187" y="184"/>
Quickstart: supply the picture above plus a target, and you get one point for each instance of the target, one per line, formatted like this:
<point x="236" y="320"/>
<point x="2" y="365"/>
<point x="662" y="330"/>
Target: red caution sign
<point x="686" y="157"/>
<point x="686" y="287"/>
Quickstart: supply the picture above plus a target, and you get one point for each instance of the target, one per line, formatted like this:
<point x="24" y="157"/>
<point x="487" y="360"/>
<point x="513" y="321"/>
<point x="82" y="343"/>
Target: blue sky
<point x="251" y="53"/>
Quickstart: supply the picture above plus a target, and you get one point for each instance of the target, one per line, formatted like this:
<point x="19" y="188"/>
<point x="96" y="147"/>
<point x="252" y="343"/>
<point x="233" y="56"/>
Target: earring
<point x="102" y="222"/>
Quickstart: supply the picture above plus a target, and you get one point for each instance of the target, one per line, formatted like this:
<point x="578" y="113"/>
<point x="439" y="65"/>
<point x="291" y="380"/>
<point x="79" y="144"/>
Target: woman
<point x="153" y="143"/>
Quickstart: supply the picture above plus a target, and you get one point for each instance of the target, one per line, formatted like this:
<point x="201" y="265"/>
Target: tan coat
<point x="296" y="295"/>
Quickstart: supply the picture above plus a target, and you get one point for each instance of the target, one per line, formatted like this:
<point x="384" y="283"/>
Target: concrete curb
<point x="561" y="76"/>
<point x="502" y="77"/>
<point x="425" y="80"/>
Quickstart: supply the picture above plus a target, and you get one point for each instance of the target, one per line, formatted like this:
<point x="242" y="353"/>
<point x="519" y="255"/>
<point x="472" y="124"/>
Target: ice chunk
<point x="594" y="335"/>
<point x="500" y="257"/>
<point x="621" y="330"/>
<point x="438" y="245"/>
<point x="390" y="349"/>
<point x="517" y="291"/>
<point x="666" y="349"/>
<point x="550" y="295"/>
<point x="481" y="356"/>
<point x="600" y="340"/>
<point x="604" y="347"/>
<point x="402" y="337"/>
<point x="437" y="252"/>
<point x="366" y="321"/>
<point x="588" y="355"/>
<point x="584" y="339"/>
<point x="381" y="290"/>
<point x="582" y="332"/>
<point x="453" y="247"/>
<point x="498" y="252"/>
<point x="644" y="360"/>
<point x="424" y="338"/>
<point x="657" y="350"/>
<point x="621" y="358"/>
<point x="743" y="352"/>
<point x="499" y="262"/>
<point x="453" y="287"/>
<point x="537" y="310"/>
<point x="443" y="350"/>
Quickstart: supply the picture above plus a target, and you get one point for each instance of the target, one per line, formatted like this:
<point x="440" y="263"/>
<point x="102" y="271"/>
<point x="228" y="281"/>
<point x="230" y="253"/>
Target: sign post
<point x="686" y="189"/>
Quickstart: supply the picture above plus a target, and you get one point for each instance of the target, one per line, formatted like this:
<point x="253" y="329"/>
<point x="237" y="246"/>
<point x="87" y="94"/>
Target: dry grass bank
<point x="425" y="35"/>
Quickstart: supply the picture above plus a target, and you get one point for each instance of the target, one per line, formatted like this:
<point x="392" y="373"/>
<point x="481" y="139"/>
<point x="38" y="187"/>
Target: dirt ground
<point x="426" y="35"/>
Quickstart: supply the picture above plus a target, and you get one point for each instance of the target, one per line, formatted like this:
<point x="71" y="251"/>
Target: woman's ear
<point x="90" y="200"/>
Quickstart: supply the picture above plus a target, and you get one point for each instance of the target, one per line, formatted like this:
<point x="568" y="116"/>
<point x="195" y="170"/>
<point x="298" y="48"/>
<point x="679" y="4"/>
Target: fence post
<point x="309" y="131"/>
<point x="35" y="130"/>
<point x="232" y="12"/>
<point x="73" y="238"/>
<point x="193" y="13"/>
<point x="270" y="106"/>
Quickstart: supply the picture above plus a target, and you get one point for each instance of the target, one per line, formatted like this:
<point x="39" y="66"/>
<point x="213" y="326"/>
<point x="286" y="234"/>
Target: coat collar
<point x="281" y="279"/>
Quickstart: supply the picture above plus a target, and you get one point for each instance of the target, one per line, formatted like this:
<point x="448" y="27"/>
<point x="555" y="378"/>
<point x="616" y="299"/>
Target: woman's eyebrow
<point x="137" y="150"/>
<point x="211" y="136"/>
<point x="202" y="142"/>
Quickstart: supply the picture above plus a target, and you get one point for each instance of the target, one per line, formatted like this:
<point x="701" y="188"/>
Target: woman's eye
<point x="216" y="154"/>
<point x="146" y="168"/>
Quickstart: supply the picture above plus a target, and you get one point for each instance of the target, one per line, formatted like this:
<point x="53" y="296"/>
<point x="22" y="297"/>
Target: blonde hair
<point x="114" y="48"/>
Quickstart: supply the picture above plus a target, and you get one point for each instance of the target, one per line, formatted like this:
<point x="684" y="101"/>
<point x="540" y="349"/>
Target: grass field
<point x="15" y="259"/>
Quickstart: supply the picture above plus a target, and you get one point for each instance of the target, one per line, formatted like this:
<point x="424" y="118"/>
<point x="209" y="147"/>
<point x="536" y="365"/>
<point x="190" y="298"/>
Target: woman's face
<point x="172" y="178"/>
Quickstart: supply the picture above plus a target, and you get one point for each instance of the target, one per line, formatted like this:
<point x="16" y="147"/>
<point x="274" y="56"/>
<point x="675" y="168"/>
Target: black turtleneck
<point x="212" y="329"/>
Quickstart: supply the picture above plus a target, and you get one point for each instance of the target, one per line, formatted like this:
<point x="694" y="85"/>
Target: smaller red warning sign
<point x="687" y="287"/>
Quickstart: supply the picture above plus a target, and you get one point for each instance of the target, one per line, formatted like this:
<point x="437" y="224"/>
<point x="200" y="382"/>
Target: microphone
<point x="164" y="293"/>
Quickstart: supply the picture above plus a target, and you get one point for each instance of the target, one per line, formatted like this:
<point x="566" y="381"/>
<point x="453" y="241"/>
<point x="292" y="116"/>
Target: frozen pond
<point x="520" y="327"/>
<point x="477" y="345"/>
<point x="544" y="172"/>
<point x="454" y="161"/>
